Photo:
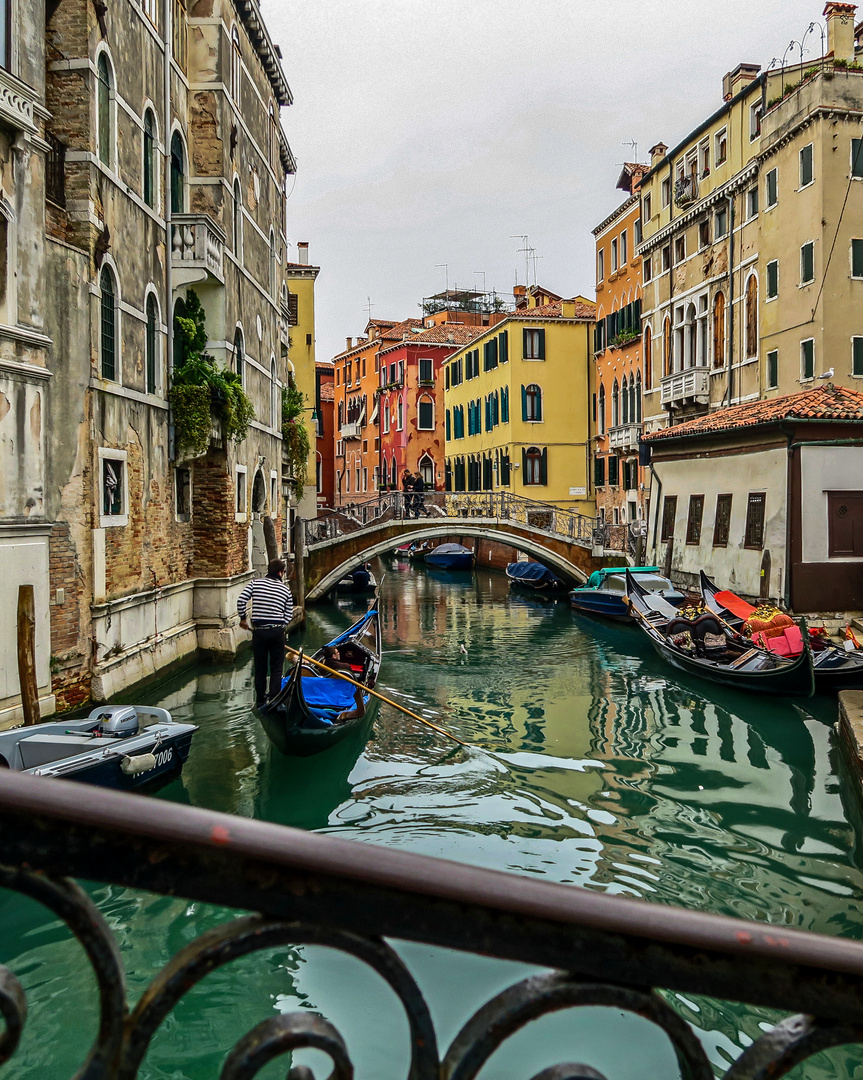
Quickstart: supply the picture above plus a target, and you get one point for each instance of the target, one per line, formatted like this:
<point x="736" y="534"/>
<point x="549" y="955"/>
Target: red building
<point x="410" y="409"/>
<point x="325" y="455"/>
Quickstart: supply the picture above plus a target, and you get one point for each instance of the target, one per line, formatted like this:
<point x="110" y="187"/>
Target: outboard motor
<point x="118" y="721"/>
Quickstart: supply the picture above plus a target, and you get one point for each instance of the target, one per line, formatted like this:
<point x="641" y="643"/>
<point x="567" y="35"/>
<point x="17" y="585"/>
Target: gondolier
<point x="272" y="610"/>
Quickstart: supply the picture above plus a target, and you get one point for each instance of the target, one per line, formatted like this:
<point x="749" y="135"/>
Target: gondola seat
<point x="788" y="643"/>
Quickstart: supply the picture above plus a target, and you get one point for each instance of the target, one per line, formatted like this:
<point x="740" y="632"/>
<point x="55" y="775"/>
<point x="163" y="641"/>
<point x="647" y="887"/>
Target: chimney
<point x="657" y="153"/>
<point x="519" y="292"/>
<point x="840" y="30"/>
<point x="303" y="252"/>
<point x="349" y="344"/>
<point x="735" y="80"/>
<point x="567" y="309"/>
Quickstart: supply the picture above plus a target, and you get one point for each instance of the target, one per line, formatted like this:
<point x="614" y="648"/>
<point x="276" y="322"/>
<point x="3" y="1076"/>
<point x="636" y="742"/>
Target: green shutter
<point x="504" y="405"/>
<point x="543" y="466"/>
<point x="524" y="403"/>
<point x="542" y="343"/>
<point x="523" y="465"/>
<point x="504" y="347"/>
<point x="448" y="427"/>
<point x="539" y="404"/>
<point x="857" y="258"/>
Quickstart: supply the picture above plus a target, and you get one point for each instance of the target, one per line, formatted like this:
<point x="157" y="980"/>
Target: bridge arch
<point x="331" y="560"/>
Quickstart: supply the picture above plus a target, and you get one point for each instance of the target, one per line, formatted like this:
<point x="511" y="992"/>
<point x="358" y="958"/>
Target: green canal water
<point x="609" y="772"/>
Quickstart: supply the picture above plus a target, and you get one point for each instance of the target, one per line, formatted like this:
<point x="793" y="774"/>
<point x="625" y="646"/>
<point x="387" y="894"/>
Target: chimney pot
<point x="840" y="30"/>
<point x="349" y="344"/>
<point x="303" y="252"/>
<point x="657" y="153"/>
<point x="735" y="80"/>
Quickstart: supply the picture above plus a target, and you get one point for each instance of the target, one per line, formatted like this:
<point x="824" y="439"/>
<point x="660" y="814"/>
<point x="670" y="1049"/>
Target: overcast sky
<point x="431" y="131"/>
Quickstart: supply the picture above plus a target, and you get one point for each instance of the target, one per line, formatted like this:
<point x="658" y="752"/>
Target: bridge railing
<point x="372" y="510"/>
<point x="604" y="951"/>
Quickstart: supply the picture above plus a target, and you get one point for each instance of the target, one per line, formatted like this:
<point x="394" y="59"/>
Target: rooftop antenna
<point x="526" y="252"/>
<point x="369" y="306"/>
<point x="483" y="279"/>
<point x="446" y="270"/>
<point x="634" y="146"/>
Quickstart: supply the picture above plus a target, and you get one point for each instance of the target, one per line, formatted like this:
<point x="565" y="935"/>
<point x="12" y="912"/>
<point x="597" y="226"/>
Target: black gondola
<point x="302" y="720"/>
<point x="717" y="652"/>
<point x="835" y="669"/>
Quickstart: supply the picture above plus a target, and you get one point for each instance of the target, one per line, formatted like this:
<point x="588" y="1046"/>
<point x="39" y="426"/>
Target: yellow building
<point x="752" y="252"/>
<point x="518" y="402"/>
<point x="298" y="345"/>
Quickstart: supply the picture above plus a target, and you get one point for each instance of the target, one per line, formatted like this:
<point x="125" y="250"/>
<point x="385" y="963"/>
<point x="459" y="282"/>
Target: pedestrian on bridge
<point x="407" y="493"/>
<point x="419" y="496"/>
<point x="272" y="610"/>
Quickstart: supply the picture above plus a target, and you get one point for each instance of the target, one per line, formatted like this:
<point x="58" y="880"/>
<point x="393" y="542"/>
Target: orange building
<point x="325" y="440"/>
<point x="619" y="355"/>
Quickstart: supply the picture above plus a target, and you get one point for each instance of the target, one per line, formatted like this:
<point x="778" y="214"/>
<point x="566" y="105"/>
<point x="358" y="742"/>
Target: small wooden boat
<point x="605" y="591"/>
<point x="534" y="577"/>
<point x="418" y="552"/>
<point x="110" y="748"/>
<point x="303" y="719"/>
<point x="707" y="648"/>
<point x="450" y="557"/>
<point x="835" y="669"/>
<point x="359" y="580"/>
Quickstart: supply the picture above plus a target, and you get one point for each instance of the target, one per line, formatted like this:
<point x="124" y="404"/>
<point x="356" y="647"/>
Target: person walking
<point x="419" y="496"/>
<point x="272" y="610"/>
<point x="407" y="492"/>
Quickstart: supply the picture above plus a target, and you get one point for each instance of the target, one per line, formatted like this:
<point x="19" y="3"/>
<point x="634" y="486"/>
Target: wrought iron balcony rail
<point x="305" y="889"/>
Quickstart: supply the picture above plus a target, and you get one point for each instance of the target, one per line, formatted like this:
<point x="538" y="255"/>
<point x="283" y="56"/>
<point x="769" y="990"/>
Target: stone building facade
<point x="154" y="165"/>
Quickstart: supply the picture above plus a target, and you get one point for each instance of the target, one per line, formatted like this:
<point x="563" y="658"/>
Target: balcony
<point x="624" y="437"/>
<point x="691" y="385"/>
<point x="18" y="103"/>
<point x="197" y="249"/>
<point x="685" y="191"/>
<point x="351" y="431"/>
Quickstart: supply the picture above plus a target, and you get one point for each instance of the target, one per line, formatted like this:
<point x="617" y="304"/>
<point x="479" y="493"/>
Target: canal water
<point x="606" y="770"/>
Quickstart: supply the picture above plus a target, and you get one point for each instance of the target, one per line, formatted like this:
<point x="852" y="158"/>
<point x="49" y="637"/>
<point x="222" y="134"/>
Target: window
<point x="426" y="370"/>
<point x="667" y="350"/>
<point x="754" y="536"/>
<point x="752" y="317"/>
<point x="613" y="471"/>
<point x="669" y="514"/>
<point x="5" y="27"/>
<point x="503" y="347"/>
<point x="845" y="524"/>
<point x="857" y="159"/>
<point x="772" y="186"/>
<point x="273" y="265"/>
<point x="178" y="173"/>
<point x="647" y="357"/>
<point x="149" y="185"/>
<point x="647" y="269"/>
<point x="104" y="109"/>
<point x="807" y="172"/>
<point x="722" y="524"/>
<point x="178" y="23"/>
<point x="666" y="258"/>
<point x="720" y="223"/>
<point x="721" y="144"/>
<point x="693" y="524"/>
<point x="151" y="11"/>
<point x="400" y="415"/>
<point x="772" y="369"/>
<point x="533" y="344"/>
<point x="615" y="405"/>
<point x="857" y="258"/>
<point x="614" y="255"/>
<point x="755" y="112"/>
<point x="275" y="396"/>
<point x="704" y="158"/>
<point x="535" y="466"/>
<point x="624" y="247"/>
<point x="807" y="359"/>
<point x="238" y="221"/>
<point x="636" y="232"/>
<point x="599" y="472"/>
<point x="504" y="405"/>
<point x="665" y="191"/>
<point x="857" y="356"/>
<point x="108" y="323"/>
<point x="704" y="233"/>
<point x="680" y="249"/>
<point x="646" y="214"/>
<point x="772" y="280"/>
<point x="183" y="494"/>
<point x="385" y="417"/>
<point x="752" y="203"/>
<point x="719" y="330"/>
<point x="113" y="489"/>
<point x="447" y="426"/>
<point x="600" y="265"/>
<point x="489" y="355"/>
<point x="807" y="263"/>
<point x="531" y="402"/>
<point x="151" y="342"/>
<point x="236" y="64"/>
<point x="425" y="412"/>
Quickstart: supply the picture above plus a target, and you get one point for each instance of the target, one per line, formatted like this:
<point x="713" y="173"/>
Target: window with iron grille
<point x="754" y="536"/>
<point x="151" y="343"/>
<point x="113" y="488"/>
<point x="669" y="516"/>
<point x="108" y="321"/>
<point x="183" y="490"/>
<point x="693" y="524"/>
<point x="722" y="524"/>
<point x="55" y="171"/>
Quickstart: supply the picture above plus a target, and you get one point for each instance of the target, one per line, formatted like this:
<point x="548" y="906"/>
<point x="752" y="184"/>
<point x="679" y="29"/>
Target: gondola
<point x="534" y="577"/>
<point x="302" y="719"/>
<point x="705" y="647"/>
<point x="359" y="580"/>
<point x="835" y="669"/>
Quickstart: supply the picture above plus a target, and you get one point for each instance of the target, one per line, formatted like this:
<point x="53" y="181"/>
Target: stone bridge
<point x="338" y="543"/>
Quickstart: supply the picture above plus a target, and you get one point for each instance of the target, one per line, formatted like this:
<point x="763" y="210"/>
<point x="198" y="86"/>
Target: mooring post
<point x="299" y="539"/>
<point x="27" y="655"/>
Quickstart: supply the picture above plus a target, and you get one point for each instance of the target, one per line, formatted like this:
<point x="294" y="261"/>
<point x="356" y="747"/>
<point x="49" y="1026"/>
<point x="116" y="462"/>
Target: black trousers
<point x="268" y="649"/>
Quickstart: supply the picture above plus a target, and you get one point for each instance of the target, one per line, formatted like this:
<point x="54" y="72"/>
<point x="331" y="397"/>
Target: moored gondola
<point x="304" y="718"/>
<point x="835" y="669"/>
<point x="706" y="647"/>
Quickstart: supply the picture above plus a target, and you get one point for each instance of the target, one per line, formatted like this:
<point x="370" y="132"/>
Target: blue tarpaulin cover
<point x="451" y="549"/>
<point x="531" y="571"/>
<point x="352" y="631"/>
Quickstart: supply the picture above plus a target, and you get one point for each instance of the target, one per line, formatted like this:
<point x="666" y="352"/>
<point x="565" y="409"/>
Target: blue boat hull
<point x="171" y="756"/>
<point x="595" y="602"/>
<point x="451" y="561"/>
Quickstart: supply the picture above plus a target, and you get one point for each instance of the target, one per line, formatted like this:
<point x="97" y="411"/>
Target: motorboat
<point x="450" y="557"/>
<point x="605" y="591"/>
<point x="534" y="577"/>
<point x="114" y="747"/>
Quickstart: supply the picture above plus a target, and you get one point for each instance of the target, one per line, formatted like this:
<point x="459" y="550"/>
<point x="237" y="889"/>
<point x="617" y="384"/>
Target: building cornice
<point x="618" y="213"/>
<point x="269" y="55"/>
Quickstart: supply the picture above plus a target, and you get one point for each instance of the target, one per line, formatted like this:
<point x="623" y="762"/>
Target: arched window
<point x="534" y="466"/>
<point x="719" y="330"/>
<point x="238" y="222"/>
<point x="104" y="109"/>
<point x="427" y="471"/>
<point x="273" y="282"/>
<point x="690" y="340"/>
<point x="178" y="174"/>
<point x="149" y="172"/>
<point x="152" y="342"/>
<point x="648" y="358"/>
<point x="239" y="357"/>
<point x="531" y="402"/>
<point x="602" y="408"/>
<point x="425" y="413"/>
<point x="274" y="395"/>
<point x="393" y="472"/>
<point x="236" y="64"/>
<point x="108" y="323"/>
<point x="615" y="404"/>
<point x="637" y="416"/>
<point x="752" y="317"/>
<point x="271" y="134"/>
<point x="624" y="419"/>
<point x="667" y="352"/>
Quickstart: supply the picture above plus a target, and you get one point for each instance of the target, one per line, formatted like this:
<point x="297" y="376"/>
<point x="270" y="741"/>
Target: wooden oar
<point x="374" y="693"/>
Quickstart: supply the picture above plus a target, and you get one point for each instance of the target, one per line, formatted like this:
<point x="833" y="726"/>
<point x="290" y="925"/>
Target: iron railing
<point x="372" y="510"/>
<point x="306" y="889"/>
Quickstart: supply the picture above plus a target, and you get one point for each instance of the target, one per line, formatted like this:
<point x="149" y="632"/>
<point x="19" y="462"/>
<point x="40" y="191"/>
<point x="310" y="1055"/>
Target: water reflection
<point x="594" y="764"/>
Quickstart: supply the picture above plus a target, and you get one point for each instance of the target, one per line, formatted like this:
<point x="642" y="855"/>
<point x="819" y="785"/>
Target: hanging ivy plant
<point x="200" y="389"/>
<point x="297" y="445"/>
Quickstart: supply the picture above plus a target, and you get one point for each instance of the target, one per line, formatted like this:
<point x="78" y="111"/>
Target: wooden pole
<point x="298" y="586"/>
<point x="27" y="655"/>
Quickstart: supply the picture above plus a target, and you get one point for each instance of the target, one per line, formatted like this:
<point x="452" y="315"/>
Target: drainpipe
<point x="731" y="299"/>
<point x="786" y="584"/>
<point x="654" y="475"/>
<point x="169" y="280"/>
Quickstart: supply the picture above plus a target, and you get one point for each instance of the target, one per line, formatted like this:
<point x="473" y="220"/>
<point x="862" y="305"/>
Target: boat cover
<point x="328" y="693"/>
<point x="451" y="549"/>
<point x="354" y="630"/>
<point x="531" y="571"/>
<point x="735" y="605"/>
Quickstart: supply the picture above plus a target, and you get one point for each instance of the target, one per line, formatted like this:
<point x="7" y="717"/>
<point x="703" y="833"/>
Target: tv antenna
<point x="445" y="267"/>
<point x="634" y="145"/>
<point x="369" y="306"/>
<point x="526" y="251"/>
<point x="483" y="279"/>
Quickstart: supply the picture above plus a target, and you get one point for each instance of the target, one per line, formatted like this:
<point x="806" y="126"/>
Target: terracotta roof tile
<point x="822" y="403"/>
<point x="395" y="331"/>
<point x="553" y="311"/>
<point x="328" y="392"/>
<point x="455" y="334"/>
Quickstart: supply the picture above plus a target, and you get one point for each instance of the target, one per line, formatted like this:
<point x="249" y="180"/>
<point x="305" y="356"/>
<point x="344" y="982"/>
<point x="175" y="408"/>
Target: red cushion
<point x="779" y="645"/>
<point x="734" y="604"/>
<point x="795" y="640"/>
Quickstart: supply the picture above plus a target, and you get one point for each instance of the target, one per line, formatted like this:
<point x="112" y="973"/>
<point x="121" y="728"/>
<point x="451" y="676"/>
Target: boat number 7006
<point x="163" y="757"/>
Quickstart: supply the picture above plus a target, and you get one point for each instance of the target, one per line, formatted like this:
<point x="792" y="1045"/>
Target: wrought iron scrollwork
<point x="282" y="1034"/>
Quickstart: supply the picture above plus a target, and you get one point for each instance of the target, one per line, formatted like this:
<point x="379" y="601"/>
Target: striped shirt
<point x="271" y="602"/>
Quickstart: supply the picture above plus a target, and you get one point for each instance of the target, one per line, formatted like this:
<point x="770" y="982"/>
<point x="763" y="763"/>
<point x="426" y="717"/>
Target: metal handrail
<point x="603" y="949"/>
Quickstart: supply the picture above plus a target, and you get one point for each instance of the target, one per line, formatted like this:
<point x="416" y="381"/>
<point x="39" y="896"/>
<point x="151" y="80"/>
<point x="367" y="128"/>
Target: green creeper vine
<point x="199" y="388"/>
<point x="297" y="445"/>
